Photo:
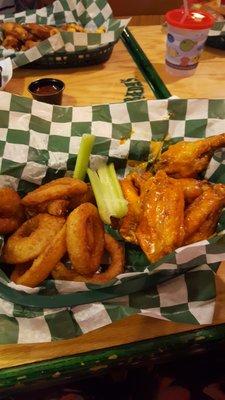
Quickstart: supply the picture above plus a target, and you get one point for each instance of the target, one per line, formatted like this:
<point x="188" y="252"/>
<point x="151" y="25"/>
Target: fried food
<point x="54" y="31"/>
<point x="14" y="29"/>
<point x="101" y="29"/>
<point x="132" y="187"/>
<point x="18" y="271"/>
<point x="11" y="210"/>
<point x="31" y="238"/>
<point x="188" y="159"/>
<point x="46" y="261"/>
<point x="41" y="32"/>
<point x="201" y="217"/>
<point x="154" y="208"/>
<point x="58" y="208"/>
<point x="73" y="28"/>
<point x="129" y="223"/>
<point x="28" y="44"/>
<point x="165" y="211"/>
<point x="87" y="197"/>
<point x="85" y="239"/>
<point x="61" y="207"/>
<point x="10" y="42"/>
<point x="161" y="225"/>
<point x="24" y="37"/>
<point x="116" y="267"/>
<point x="192" y="188"/>
<point x="58" y="189"/>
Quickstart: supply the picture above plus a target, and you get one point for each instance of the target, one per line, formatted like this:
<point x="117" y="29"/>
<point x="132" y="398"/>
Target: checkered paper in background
<point x="88" y="13"/>
<point x="218" y="29"/>
<point x="39" y="142"/>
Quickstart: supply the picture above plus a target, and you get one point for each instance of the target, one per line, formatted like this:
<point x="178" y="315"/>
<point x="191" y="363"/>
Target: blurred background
<point x="144" y="11"/>
<point x="124" y="7"/>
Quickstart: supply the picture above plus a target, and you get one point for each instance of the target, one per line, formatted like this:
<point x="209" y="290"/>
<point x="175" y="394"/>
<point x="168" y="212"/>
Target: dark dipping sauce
<point x="47" y="89"/>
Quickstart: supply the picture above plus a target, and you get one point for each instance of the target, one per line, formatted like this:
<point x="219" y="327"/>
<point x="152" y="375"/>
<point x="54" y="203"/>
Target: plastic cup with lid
<point x="186" y="36"/>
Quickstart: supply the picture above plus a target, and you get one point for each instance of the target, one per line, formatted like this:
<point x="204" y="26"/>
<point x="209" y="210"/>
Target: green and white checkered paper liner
<point x="39" y="142"/>
<point x="91" y="14"/>
<point x="218" y="29"/>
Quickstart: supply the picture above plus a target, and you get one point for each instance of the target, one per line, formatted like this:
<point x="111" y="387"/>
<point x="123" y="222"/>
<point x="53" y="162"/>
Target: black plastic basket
<point x="77" y="59"/>
<point x="218" y="42"/>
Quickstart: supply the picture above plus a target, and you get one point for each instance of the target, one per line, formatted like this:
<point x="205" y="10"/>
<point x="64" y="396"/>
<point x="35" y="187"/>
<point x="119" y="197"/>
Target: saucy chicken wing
<point x="201" y="217"/>
<point x="132" y="187"/>
<point x="161" y="221"/>
<point x="192" y="188"/>
<point x="188" y="159"/>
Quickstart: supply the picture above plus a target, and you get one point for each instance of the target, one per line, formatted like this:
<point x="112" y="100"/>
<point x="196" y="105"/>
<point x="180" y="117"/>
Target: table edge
<point x="91" y="362"/>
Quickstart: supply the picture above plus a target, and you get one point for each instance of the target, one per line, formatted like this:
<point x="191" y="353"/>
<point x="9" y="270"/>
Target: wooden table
<point x="101" y="84"/>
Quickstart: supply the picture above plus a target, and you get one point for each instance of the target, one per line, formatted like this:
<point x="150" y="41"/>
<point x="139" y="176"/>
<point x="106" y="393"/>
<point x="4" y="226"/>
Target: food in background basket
<point x="23" y="37"/>
<point x="59" y="230"/>
<point x="72" y="28"/>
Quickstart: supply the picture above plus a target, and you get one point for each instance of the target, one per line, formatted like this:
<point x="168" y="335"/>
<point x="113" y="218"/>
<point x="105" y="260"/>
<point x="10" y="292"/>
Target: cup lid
<point x="195" y="19"/>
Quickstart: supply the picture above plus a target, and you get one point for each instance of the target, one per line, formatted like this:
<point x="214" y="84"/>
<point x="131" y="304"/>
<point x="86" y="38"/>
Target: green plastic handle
<point x="148" y="71"/>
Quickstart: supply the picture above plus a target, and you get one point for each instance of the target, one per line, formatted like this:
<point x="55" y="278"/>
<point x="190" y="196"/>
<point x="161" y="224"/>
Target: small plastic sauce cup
<point x="48" y="90"/>
<point x="186" y="36"/>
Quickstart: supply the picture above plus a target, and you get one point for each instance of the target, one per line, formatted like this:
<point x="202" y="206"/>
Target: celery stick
<point x="86" y="145"/>
<point x="107" y="189"/>
<point x="121" y="202"/>
<point x="99" y="196"/>
<point x="108" y="193"/>
<point x="115" y="181"/>
<point x="115" y="200"/>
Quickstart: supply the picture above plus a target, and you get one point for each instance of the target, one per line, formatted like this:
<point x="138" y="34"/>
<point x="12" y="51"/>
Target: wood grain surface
<point x="90" y="85"/>
<point x="102" y="84"/>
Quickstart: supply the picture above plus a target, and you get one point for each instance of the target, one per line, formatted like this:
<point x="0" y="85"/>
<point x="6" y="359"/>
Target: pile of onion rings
<point x="56" y="222"/>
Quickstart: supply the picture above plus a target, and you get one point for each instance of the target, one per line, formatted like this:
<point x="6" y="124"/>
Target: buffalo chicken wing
<point x="161" y="223"/>
<point x="188" y="159"/>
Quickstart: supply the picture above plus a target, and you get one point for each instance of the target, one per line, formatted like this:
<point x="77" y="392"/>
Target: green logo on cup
<point x="187" y="44"/>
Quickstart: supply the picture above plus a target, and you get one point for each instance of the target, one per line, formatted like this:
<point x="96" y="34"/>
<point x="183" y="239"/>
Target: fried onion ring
<point x="54" y="190"/>
<point x="11" y="210"/>
<point x="18" y="271"/>
<point x="45" y="262"/>
<point x="115" y="268"/>
<point x="85" y="238"/>
<point x="87" y="197"/>
<point x="31" y="238"/>
<point x="58" y="208"/>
